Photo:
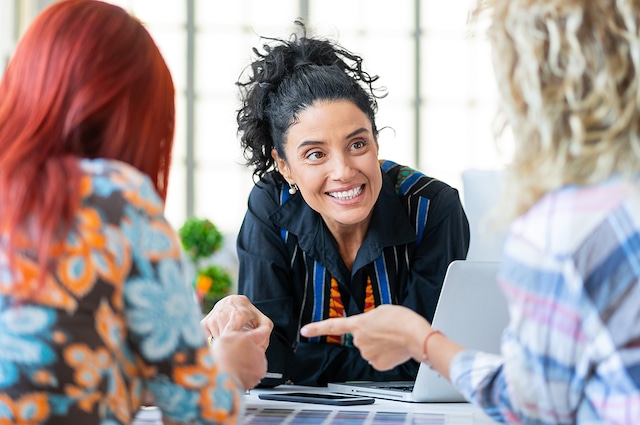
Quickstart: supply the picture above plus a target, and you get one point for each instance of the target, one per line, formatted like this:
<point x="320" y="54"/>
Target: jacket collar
<point x="389" y="226"/>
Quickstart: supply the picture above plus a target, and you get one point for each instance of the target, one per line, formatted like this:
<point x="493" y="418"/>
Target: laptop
<point x="472" y="311"/>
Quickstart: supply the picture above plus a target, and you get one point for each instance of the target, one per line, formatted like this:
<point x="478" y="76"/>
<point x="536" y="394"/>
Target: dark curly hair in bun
<point x="287" y="77"/>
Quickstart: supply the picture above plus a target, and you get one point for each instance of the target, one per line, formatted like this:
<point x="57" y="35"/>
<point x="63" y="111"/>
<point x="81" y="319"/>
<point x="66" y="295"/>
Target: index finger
<point x="335" y="326"/>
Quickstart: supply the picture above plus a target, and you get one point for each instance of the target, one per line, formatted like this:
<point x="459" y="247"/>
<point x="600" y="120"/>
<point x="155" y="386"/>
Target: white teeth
<point x="347" y="194"/>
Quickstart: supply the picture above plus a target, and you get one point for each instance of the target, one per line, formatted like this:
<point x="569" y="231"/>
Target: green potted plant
<point x="201" y="239"/>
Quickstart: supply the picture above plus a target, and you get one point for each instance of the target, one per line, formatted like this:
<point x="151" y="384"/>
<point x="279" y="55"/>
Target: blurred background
<point x="438" y="113"/>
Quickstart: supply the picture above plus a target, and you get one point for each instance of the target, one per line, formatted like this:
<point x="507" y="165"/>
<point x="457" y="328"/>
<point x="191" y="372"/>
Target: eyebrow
<point x="348" y="136"/>
<point x="356" y="132"/>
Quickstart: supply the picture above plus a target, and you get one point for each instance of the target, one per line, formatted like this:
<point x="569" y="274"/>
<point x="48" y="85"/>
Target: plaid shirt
<point x="571" y="353"/>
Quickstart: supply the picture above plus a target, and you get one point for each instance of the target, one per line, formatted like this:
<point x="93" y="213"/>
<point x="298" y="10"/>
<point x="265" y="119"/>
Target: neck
<point x="349" y="239"/>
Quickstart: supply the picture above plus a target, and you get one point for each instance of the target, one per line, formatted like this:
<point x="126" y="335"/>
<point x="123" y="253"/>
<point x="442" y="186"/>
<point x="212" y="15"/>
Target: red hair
<point x="86" y="81"/>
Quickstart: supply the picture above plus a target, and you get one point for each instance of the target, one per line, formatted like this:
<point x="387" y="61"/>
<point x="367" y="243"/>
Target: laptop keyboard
<point x="275" y="416"/>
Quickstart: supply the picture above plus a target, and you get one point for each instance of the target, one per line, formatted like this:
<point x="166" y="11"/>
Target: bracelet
<point x="433" y="332"/>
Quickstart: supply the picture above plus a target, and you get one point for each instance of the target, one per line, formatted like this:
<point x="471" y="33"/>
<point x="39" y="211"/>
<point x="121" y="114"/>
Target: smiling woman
<point x="331" y="229"/>
<point x="332" y="157"/>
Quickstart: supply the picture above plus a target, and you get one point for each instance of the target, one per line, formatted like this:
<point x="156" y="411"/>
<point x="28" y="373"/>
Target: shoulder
<point x="121" y="175"/>
<point x="268" y="197"/>
<point x="566" y="219"/>
<point x="410" y="182"/>
<point x="269" y="189"/>
<point x="111" y="179"/>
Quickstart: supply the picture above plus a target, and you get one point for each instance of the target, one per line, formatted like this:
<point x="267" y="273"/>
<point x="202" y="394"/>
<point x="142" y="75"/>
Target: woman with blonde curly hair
<point x="569" y="76"/>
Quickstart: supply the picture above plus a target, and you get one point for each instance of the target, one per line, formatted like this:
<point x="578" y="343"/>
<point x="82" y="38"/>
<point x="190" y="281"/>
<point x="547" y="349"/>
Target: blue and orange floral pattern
<point x="113" y="318"/>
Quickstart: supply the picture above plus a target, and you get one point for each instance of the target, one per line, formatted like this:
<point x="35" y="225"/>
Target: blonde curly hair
<point x="568" y="72"/>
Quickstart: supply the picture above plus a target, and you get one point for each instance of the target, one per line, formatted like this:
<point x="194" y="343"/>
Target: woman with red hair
<point x="94" y="312"/>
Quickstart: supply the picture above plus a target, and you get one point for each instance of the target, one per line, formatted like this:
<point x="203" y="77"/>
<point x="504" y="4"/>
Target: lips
<point x="347" y="194"/>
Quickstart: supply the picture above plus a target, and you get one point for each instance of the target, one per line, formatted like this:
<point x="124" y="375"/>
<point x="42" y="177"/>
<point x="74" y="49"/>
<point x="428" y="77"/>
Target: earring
<point x="293" y="188"/>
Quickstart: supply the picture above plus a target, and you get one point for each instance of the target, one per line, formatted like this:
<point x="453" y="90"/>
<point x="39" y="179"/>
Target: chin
<point x="351" y="219"/>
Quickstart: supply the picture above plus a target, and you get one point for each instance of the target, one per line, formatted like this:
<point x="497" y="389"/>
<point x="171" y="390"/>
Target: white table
<point x="385" y="412"/>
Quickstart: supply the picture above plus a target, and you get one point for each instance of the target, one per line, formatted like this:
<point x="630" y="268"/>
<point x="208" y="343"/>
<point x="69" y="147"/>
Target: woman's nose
<point x="343" y="168"/>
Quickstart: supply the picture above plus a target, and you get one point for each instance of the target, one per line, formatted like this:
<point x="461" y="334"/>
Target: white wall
<point x="7" y="31"/>
<point x="15" y="17"/>
<point x="457" y="93"/>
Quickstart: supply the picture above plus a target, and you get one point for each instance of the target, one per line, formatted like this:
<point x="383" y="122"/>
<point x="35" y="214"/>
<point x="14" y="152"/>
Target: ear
<point x="283" y="168"/>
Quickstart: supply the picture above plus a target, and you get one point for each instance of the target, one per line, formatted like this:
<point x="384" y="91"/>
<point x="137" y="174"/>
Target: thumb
<point x="260" y="332"/>
<point x="260" y="336"/>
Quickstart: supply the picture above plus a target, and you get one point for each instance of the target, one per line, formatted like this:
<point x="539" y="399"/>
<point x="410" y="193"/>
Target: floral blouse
<point x="113" y="318"/>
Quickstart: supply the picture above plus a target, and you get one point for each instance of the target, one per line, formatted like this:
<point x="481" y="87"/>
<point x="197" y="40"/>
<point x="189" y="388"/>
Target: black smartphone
<point x="318" y="398"/>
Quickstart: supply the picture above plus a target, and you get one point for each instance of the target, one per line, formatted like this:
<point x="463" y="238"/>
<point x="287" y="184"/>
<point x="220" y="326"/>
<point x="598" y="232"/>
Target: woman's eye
<point x="315" y="156"/>
<point x="358" y="145"/>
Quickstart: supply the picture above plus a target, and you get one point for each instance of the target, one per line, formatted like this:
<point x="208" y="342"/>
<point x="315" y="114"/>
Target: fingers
<point x="242" y="320"/>
<point x="382" y="363"/>
<point x="210" y="325"/>
<point x="233" y="313"/>
<point x="380" y="354"/>
<point x="254" y="370"/>
<point x="239" y="354"/>
<point x="263" y="321"/>
<point x="261" y="371"/>
<point x="263" y="335"/>
<point x="237" y="321"/>
<point x="260" y="337"/>
<point x="335" y="326"/>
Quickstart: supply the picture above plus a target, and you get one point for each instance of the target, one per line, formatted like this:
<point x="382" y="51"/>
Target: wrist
<point x="428" y="342"/>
